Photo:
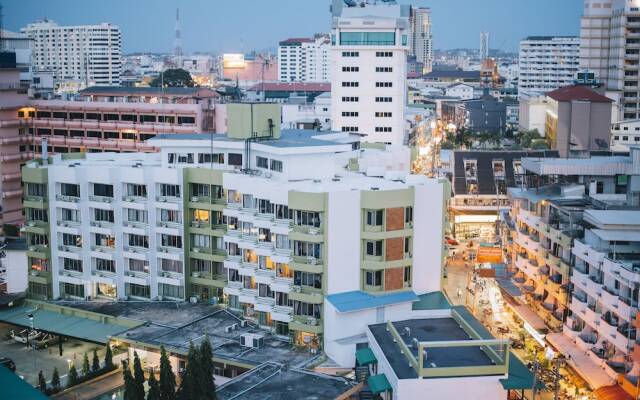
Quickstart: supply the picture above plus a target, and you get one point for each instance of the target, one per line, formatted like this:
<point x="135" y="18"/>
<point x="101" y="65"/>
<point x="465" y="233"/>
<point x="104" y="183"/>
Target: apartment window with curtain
<point x="375" y="217"/>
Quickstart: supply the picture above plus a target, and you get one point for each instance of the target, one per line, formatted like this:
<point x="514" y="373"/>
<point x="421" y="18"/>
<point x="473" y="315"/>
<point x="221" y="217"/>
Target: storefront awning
<point x="378" y="383"/>
<point x="365" y="357"/>
<point x="613" y="392"/>
<point x="508" y="286"/>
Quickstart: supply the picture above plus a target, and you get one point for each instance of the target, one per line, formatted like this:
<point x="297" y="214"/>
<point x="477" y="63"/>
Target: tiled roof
<point x="577" y="92"/>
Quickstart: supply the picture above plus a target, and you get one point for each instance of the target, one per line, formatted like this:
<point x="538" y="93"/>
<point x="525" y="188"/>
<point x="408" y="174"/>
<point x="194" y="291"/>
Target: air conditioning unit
<point x="252" y="340"/>
<point x="243" y="323"/>
<point x="228" y="329"/>
<point x="194" y="199"/>
<point x="296" y="289"/>
<point x="312" y="260"/>
<point x="235" y="327"/>
<point x="311" y="321"/>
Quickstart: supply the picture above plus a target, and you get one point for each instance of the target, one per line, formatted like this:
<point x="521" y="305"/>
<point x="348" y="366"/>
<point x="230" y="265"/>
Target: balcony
<point x="70" y="249"/>
<point x="168" y="199"/>
<point x="136" y="249"/>
<point x="169" y="249"/>
<point x="103" y="249"/>
<point x="306" y="324"/>
<point x="101" y="199"/>
<point x="68" y="223"/>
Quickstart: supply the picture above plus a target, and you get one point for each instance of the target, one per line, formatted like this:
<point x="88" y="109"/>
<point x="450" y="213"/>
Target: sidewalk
<point x="591" y="372"/>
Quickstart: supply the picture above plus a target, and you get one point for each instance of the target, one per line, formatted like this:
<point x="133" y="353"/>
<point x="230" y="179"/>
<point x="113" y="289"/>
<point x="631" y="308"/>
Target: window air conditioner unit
<point x="311" y="321"/>
<point x="312" y="260"/>
<point x="194" y="199"/>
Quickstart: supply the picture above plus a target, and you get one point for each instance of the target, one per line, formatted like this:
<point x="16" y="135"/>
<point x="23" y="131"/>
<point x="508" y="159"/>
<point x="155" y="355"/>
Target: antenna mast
<point x="177" y="44"/>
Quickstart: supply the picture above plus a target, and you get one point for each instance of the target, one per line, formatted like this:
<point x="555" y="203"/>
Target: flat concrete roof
<point x="176" y="324"/>
<point x="429" y="330"/>
<point x="271" y="381"/>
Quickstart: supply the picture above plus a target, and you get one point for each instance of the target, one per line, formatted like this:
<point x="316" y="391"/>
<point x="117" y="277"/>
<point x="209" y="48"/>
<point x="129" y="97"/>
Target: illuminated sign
<point x="487" y="254"/>
<point x="233" y="61"/>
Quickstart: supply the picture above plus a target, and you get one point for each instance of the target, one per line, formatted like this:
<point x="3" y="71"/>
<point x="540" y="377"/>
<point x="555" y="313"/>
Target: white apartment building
<point x="271" y="230"/>
<point x="369" y="69"/>
<point x="625" y="134"/>
<point x="610" y="40"/>
<point x="421" y="37"/>
<point x="84" y="54"/>
<point x="304" y="59"/>
<point x="547" y="63"/>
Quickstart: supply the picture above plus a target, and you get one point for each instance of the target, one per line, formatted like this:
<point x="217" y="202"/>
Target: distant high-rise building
<point x="484" y="45"/>
<point x="609" y="35"/>
<point x="304" y="59"/>
<point x="87" y="54"/>
<point x="547" y="63"/>
<point x="369" y="71"/>
<point x="421" y="38"/>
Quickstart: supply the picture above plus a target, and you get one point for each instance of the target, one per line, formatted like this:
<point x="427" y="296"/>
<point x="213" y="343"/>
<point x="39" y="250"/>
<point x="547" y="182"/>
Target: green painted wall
<point x="241" y="115"/>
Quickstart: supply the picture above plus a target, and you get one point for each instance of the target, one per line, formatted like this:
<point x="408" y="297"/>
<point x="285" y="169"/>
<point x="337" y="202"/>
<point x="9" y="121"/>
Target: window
<point x="38" y="240"/>
<point x="307" y="249"/>
<point x="350" y="113"/>
<point x="138" y="241"/>
<point x="35" y="214"/>
<point x="69" y="289"/>
<point x="276" y="165"/>
<point x="147" y="118"/>
<point x="373" y="248"/>
<point x="200" y="190"/>
<point x="129" y="117"/>
<point x="407" y="276"/>
<point x="380" y="114"/>
<point x="350" y="54"/>
<point x="67" y="214"/>
<point x="103" y="190"/>
<point x="262" y="162"/>
<point x="215" y="158"/>
<point x="407" y="245"/>
<point x="282" y="212"/>
<point x="350" y="129"/>
<point x="265" y="206"/>
<point x="384" y="84"/>
<point x="186" y="120"/>
<point x="101" y="215"/>
<point x="282" y="242"/>
<point x="385" y="54"/>
<point x="69" y="189"/>
<point x="383" y="129"/>
<point x="36" y="189"/>
<point x="307" y="279"/>
<point x="133" y="215"/>
<point x="131" y="289"/>
<point x="167" y="119"/>
<point x="307" y="218"/>
<point x="307" y="309"/>
<point x="408" y="215"/>
<point x="264" y="290"/>
<point x="173" y="216"/>
<point x="105" y="265"/>
<point x="375" y="217"/>
<point x="69" y="239"/>
<point x="368" y="38"/>
<point x="235" y="159"/>
<point x="384" y="99"/>
<point x="282" y="299"/>
<point x="136" y="190"/>
<point x="348" y="99"/>
<point x="171" y="291"/>
<point x="373" y="278"/>
<point x="350" y="69"/>
<point x="384" y="69"/>
<point x="167" y="190"/>
<point x="104" y="240"/>
<point x="201" y="241"/>
<point x="171" y="241"/>
<point x="70" y="264"/>
<point x="350" y="84"/>
<point x="138" y="265"/>
<point x="167" y="265"/>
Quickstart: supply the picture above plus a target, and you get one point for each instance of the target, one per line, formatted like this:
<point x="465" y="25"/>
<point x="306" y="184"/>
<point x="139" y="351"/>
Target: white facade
<point x="625" y="134"/>
<point x="533" y="113"/>
<point x="296" y="115"/>
<point x="421" y="37"/>
<point x="460" y="90"/>
<point x="13" y="267"/>
<point x="304" y="59"/>
<point x="547" y="63"/>
<point x="609" y="34"/>
<point x="87" y="54"/>
<point x="369" y="69"/>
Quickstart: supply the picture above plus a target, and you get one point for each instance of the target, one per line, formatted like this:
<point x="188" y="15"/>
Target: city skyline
<point x="508" y="22"/>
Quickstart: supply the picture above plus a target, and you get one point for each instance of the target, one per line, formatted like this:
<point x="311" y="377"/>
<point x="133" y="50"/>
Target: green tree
<point x="42" y="383"/>
<point x="95" y="362"/>
<point x="85" y="365"/>
<point x="129" y="385"/>
<point x="207" y="385"/>
<point x="55" y="379"/>
<point x="11" y="230"/>
<point x="177" y="77"/>
<point x="72" y="377"/>
<point x="167" y="378"/>
<point x="188" y="389"/>
<point x="108" y="358"/>
<point x="154" y="388"/>
<point x="138" y="377"/>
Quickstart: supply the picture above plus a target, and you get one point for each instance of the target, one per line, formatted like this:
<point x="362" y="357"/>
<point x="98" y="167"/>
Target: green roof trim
<point x="520" y="377"/>
<point x="61" y="324"/>
<point x="432" y="301"/>
<point x="13" y="387"/>
<point x="378" y="383"/>
<point x="365" y="357"/>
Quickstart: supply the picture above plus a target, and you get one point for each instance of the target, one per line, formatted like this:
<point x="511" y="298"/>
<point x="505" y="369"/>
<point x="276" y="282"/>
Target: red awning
<point x="614" y="392"/>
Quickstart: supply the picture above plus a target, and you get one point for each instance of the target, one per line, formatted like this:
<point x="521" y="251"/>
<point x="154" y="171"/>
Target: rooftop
<point x="596" y="166"/>
<point x="358" y="300"/>
<point x="176" y="324"/>
<point x="612" y="219"/>
<point x="271" y="381"/>
<point x="148" y="91"/>
<point x="292" y="87"/>
<point x="578" y="93"/>
<point x="452" y="74"/>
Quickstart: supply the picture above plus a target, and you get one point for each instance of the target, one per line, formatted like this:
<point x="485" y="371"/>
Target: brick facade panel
<point x="394" y="249"/>
<point x="393" y="279"/>
<point x="395" y="218"/>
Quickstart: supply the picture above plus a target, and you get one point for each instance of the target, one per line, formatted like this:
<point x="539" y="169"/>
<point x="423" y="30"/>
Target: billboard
<point x="233" y="61"/>
<point x="489" y="254"/>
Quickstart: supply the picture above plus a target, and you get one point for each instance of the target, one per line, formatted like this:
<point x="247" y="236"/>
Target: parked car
<point x="451" y="241"/>
<point x="8" y="363"/>
<point x="43" y="341"/>
<point x="25" y="335"/>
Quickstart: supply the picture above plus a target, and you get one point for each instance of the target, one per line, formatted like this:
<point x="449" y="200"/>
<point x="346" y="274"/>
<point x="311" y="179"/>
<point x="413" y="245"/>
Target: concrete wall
<point x="17" y="266"/>
<point x="343" y="242"/>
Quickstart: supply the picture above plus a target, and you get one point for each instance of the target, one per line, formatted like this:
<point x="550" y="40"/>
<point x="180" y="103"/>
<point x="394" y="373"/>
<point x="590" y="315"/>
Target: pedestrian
<point x="459" y="293"/>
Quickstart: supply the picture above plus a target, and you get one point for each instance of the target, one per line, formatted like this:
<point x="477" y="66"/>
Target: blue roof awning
<point x="358" y="300"/>
<point x="508" y="286"/>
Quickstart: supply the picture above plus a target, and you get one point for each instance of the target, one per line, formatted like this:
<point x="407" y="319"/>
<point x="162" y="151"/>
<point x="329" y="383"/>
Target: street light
<point x="33" y="342"/>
